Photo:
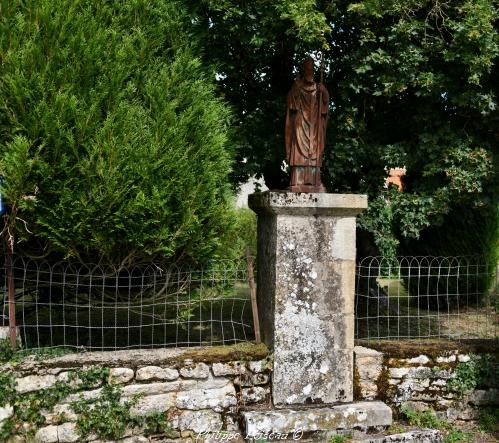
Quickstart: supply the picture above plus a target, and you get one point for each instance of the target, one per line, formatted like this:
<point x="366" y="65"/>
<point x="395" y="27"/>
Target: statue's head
<point x="308" y="69"/>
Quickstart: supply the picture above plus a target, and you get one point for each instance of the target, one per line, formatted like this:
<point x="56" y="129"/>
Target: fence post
<point x="254" y="306"/>
<point x="12" y="300"/>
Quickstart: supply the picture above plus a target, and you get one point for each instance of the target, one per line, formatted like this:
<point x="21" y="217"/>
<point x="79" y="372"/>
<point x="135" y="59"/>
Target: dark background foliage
<point x="114" y="145"/>
<point x="412" y="83"/>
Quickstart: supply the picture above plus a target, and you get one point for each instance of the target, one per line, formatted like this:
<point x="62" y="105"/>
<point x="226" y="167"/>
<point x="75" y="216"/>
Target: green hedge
<point x="113" y="144"/>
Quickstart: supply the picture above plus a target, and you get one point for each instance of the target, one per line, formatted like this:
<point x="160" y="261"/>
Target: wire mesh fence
<point x="91" y="307"/>
<point x="426" y="297"/>
<point x="105" y="308"/>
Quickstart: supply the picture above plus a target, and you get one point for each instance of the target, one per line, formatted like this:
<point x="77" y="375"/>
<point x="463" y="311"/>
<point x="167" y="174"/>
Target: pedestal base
<point x="306" y="281"/>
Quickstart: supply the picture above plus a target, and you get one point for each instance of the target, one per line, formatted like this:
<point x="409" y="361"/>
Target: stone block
<point x="135" y="439"/>
<point x="482" y="397"/>
<point x="289" y="203"/>
<point x="33" y="383"/>
<point x="417" y="405"/>
<point x="149" y="373"/>
<point x="86" y="395"/>
<point x="415" y="436"/>
<point x="260" y="365"/>
<point x="216" y="399"/>
<point x="6" y="412"/>
<point x="60" y="412"/>
<point x="154" y="403"/>
<point x="251" y="380"/>
<point x="47" y="434"/>
<point x="198" y="370"/>
<point x="369" y="365"/>
<point x="230" y="368"/>
<point x="158" y="388"/>
<point x="343" y="239"/>
<point x="449" y="359"/>
<point x="368" y="390"/>
<point x="419" y="360"/>
<point x="418" y="385"/>
<point x="74" y="381"/>
<point x="197" y="421"/>
<point x="364" y="415"/>
<point x="67" y="433"/>
<point x="420" y="372"/>
<point x="173" y="386"/>
<point x="306" y="247"/>
<point x="119" y="376"/>
<point x="460" y="412"/>
<point x="256" y="394"/>
<point x="329" y="379"/>
<point x="423" y="372"/>
<point x="398" y="372"/>
<point x="362" y="351"/>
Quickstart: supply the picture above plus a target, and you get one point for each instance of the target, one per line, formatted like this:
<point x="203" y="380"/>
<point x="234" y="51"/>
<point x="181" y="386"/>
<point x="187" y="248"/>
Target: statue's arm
<point x="293" y="98"/>
<point x="325" y="100"/>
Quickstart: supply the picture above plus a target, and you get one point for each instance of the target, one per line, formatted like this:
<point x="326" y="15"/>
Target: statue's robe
<point x="306" y="120"/>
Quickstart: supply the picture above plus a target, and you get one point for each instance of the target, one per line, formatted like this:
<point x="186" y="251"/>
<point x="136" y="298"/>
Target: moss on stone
<point x="158" y="357"/>
<point x="357" y="391"/>
<point x="219" y="354"/>
<point x="431" y="348"/>
<point x="383" y="382"/>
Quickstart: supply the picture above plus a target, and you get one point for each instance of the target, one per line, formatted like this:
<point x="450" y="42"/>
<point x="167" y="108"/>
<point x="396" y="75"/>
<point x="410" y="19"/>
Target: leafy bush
<point x="112" y="141"/>
<point x="412" y="83"/>
<point x="107" y="416"/>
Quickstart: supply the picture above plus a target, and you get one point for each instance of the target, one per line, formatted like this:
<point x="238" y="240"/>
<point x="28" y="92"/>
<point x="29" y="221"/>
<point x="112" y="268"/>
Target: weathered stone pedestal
<point x="306" y="281"/>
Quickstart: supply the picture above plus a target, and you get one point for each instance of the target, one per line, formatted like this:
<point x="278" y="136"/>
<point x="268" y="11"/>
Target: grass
<point x="7" y="354"/>
<point x="340" y="438"/>
<point x="451" y="433"/>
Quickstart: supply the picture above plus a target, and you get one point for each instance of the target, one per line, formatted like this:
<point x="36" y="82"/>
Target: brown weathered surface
<point x="306" y="121"/>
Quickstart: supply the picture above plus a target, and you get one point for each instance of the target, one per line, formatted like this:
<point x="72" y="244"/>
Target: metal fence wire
<point x="426" y="297"/>
<point x="104" y="308"/>
<point x="91" y="307"/>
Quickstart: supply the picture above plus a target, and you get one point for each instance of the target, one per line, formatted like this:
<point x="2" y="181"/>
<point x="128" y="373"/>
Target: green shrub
<point x="428" y="419"/>
<point x="107" y="416"/>
<point x="240" y="236"/>
<point x="112" y="140"/>
<point x="423" y="419"/>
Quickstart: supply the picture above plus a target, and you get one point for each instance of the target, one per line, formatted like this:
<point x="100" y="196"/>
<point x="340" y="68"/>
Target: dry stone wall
<point x="200" y="391"/>
<point x="454" y="383"/>
<point x="204" y="391"/>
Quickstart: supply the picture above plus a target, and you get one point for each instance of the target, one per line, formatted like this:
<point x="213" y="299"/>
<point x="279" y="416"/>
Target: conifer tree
<point x="113" y="144"/>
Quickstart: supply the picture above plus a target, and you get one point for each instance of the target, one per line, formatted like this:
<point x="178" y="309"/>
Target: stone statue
<point x="306" y="120"/>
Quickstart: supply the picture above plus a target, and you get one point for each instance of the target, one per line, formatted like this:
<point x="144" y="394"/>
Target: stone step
<point x="414" y="436"/>
<point x="366" y="416"/>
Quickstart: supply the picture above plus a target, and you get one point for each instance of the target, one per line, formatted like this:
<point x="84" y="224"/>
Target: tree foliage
<point x="412" y="83"/>
<point x="113" y="144"/>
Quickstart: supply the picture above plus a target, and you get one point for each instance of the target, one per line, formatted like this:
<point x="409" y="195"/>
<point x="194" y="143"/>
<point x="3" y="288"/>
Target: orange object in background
<point x="395" y="177"/>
